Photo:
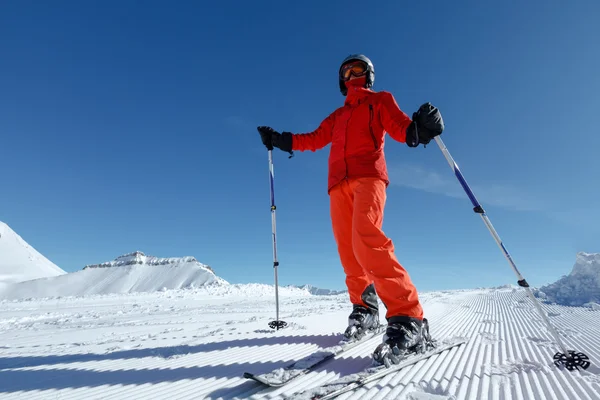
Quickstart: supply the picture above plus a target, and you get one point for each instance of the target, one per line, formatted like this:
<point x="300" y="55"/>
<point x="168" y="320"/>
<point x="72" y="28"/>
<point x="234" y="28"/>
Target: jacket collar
<point x="356" y="95"/>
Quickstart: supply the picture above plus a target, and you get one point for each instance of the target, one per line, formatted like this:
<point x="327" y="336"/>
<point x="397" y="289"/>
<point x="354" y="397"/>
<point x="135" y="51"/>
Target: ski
<point x="345" y="384"/>
<point x="281" y="376"/>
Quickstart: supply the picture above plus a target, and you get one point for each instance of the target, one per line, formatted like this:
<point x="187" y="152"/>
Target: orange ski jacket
<point x="356" y="132"/>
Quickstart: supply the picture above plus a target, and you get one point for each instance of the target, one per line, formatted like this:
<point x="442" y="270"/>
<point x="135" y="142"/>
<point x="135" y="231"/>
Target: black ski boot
<point x="360" y="321"/>
<point x="404" y="336"/>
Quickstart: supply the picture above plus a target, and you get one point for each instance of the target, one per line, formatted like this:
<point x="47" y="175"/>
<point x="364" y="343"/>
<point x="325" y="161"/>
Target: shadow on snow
<point x="63" y="377"/>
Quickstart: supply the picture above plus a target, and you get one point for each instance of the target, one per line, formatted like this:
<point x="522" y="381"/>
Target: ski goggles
<point x="356" y="68"/>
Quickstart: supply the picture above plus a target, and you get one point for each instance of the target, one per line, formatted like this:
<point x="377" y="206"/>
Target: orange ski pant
<point x="366" y="253"/>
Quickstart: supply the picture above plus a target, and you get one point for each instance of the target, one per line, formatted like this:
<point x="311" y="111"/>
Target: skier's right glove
<point x="271" y="138"/>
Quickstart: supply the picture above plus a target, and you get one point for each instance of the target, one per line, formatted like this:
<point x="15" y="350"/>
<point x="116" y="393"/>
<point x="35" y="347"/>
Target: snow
<point x="137" y="272"/>
<point x="133" y="272"/>
<point x="318" y="291"/>
<point x="198" y="342"/>
<point x="154" y="328"/>
<point x="580" y="287"/>
<point x="21" y="262"/>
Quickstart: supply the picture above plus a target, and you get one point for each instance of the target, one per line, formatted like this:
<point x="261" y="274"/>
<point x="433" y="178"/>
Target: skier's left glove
<point x="271" y="138"/>
<point x="427" y="123"/>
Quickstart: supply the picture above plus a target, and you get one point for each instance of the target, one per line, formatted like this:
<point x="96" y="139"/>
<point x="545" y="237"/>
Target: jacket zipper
<point x="346" y="141"/>
<point x="370" y="127"/>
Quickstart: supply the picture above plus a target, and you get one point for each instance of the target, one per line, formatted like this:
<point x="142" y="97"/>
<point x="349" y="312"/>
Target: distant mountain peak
<point x="318" y="291"/>
<point x="581" y="286"/>
<point x="586" y="263"/>
<point x="129" y="273"/>
<point x="139" y="258"/>
<point x="19" y="261"/>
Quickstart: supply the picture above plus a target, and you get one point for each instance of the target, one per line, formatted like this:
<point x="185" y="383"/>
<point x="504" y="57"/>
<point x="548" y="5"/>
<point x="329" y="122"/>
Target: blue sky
<point x="132" y="126"/>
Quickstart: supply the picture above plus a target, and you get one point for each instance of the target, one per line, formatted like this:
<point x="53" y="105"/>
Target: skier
<point x="357" y="183"/>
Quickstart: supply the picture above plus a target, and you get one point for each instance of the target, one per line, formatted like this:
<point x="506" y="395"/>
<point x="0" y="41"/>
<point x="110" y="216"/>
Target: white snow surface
<point x="197" y="343"/>
<point x="133" y="272"/>
<point x="318" y="291"/>
<point x="580" y="287"/>
<point x="21" y="262"/>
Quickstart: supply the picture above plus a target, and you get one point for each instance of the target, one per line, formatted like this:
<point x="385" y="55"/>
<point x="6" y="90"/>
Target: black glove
<point x="427" y="124"/>
<point x="271" y="138"/>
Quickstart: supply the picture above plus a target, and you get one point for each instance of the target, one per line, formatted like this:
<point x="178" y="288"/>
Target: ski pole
<point x="568" y="358"/>
<point x="277" y="323"/>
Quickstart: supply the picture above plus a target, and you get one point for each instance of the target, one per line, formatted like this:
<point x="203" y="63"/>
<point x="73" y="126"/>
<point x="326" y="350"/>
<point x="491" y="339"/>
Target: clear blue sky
<point x="131" y="125"/>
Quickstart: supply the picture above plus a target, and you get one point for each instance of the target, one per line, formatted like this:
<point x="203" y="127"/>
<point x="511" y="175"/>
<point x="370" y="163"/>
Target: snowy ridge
<point x="133" y="272"/>
<point x="586" y="264"/>
<point x="581" y="286"/>
<point x="254" y="290"/>
<point x="137" y="272"/>
<point x="318" y="291"/>
<point x="19" y="261"/>
<point x="134" y="280"/>
<point x="139" y="258"/>
<point x="190" y="345"/>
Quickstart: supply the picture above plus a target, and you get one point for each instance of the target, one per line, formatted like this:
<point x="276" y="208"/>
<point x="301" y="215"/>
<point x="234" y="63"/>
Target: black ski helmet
<point x="370" y="71"/>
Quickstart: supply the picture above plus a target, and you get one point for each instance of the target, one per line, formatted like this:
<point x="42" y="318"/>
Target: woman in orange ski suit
<point x="357" y="183"/>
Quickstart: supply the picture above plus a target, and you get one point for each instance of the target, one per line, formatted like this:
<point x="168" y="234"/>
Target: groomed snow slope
<point x="192" y="344"/>
<point x="133" y="272"/>
<point x="21" y="262"/>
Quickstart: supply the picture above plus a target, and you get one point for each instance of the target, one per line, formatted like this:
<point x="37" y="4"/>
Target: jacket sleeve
<point x="393" y="119"/>
<point x="317" y="139"/>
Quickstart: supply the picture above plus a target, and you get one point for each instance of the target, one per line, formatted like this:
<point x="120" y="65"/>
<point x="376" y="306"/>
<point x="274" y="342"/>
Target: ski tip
<point x="263" y="381"/>
<point x="452" y="341"/>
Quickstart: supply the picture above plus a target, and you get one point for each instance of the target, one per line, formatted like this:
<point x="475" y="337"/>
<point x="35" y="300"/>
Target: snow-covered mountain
<point x="580" y="287"/>
<point x="318" y="291"/>
<point x="19" y="261"/>
<point x="133" y="272"/>
<point x="139" y="258"/>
